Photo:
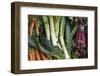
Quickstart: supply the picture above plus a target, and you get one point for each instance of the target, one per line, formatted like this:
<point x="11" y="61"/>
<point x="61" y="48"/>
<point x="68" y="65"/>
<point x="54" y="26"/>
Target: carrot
<point x="37" y="55"/>
<point x="30" y="56"/>
<point x="43" y="56"/>
<point x="31" y="25"/>
<point x="33" y="54"/>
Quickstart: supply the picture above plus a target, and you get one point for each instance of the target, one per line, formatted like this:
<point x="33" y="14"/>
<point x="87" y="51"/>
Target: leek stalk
<point x="52" y="31"/>
<point x="62" y="26"/>
<point x="46" y="24"/>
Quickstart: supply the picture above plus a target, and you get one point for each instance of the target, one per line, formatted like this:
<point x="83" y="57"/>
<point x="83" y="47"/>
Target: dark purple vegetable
<point x="80" y="40"/>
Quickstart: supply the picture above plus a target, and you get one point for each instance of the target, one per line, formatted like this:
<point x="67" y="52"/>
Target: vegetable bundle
<point x="56" y="37"/>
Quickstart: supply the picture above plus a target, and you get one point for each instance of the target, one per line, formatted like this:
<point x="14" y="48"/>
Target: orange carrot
<point x="31" y="25"/>
<point x="30" y="56"/>
<point x="33" y="54"/>
<point x="43" y="56"/>
<point x="37" y="55"/>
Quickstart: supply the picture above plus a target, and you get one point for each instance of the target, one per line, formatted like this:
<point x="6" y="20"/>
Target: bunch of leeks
<point x="54" y="36"/>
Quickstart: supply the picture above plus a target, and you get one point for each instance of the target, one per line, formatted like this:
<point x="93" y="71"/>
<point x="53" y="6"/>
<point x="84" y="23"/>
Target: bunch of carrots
<point x="35" y="54"/>
<point x="56" y="37"/>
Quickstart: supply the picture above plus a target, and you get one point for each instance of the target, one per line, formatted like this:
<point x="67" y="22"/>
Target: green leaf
<point x="68" y="38"/>
<point x="31" y="43"/>
<point x="54" y="50"/>
<point x="73" y="31"/>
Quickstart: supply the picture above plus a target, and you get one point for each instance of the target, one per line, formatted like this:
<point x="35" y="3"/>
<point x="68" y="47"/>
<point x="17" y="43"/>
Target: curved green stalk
<point x="62" y="26"/>
<point x="52" y="31"/>
<point x="46" y="24"/>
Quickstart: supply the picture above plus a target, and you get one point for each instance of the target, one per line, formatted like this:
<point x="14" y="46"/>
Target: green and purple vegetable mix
<point x="58" y="37"/>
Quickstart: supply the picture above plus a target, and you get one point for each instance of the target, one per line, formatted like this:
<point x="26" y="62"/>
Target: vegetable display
<point x="57" y="37"/>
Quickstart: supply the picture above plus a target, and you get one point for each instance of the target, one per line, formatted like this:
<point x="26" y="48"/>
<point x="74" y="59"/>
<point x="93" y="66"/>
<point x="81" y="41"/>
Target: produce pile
<point x="57" y="37"/>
